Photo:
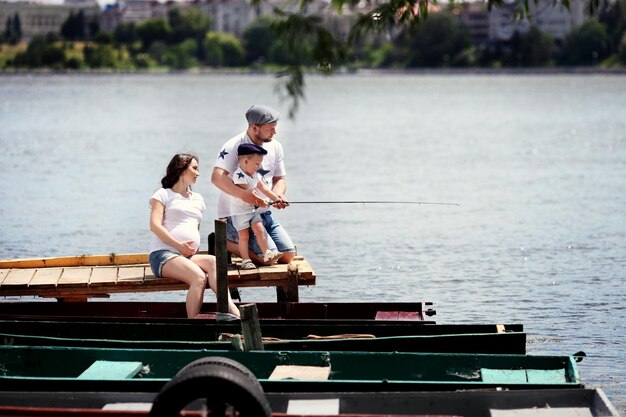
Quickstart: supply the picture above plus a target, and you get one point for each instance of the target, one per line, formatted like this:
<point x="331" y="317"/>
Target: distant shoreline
<point x="363" y="71"/>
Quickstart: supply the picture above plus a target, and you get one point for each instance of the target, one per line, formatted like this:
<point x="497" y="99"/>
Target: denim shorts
<point x="158" y="258"/>
<point x="244" y="221"/>
<point x="277" y="237"/>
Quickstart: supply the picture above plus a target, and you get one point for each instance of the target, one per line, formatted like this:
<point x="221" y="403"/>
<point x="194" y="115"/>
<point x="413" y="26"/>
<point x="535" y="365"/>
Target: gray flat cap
<point x="261" y="115"/>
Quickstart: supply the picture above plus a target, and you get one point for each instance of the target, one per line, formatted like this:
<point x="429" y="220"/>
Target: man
<point x="261" y="129"/>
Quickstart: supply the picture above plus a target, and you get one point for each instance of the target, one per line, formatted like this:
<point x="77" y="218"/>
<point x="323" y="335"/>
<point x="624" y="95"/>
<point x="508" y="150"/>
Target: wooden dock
<point x="81" y="277"/>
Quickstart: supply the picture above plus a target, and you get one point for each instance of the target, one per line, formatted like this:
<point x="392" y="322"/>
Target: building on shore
<point x="500" y="24"/>
<point x="41" y="19"/>
<point x="548" y="16"/>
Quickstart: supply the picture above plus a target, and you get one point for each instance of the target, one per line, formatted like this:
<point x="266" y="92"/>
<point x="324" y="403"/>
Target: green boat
<point x="39" y="368"/>
<point x="324" y="335"/>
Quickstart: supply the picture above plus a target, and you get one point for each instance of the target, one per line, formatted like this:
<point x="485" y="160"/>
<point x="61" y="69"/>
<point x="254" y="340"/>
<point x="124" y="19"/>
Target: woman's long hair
<point x="176" y="167"/>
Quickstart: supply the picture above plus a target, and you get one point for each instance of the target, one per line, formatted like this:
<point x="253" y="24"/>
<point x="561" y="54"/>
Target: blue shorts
<point x="158" y="258"/>
<point x="244" y="221"/>
<point x="277" y="237"/>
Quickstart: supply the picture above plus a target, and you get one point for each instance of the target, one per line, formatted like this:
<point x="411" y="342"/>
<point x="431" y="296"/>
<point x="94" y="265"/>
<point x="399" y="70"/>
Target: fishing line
<point x="419" y="203"/>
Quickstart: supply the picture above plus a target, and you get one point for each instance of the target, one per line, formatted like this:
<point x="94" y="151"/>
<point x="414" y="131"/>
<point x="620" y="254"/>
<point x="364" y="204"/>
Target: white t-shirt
<point x="238" y="206"/>
<point x="181" y="217"/>
<point x="272" y="166"/>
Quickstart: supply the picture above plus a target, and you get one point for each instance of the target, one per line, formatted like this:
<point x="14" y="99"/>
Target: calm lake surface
<point x="536" y="162"/>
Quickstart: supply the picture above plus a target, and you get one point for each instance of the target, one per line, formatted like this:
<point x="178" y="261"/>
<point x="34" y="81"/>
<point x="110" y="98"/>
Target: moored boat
<point x="175" y="311"/>
<point x="83" y="369"/>
<point x="325" y="335"/>
<point x="470" y="403"/>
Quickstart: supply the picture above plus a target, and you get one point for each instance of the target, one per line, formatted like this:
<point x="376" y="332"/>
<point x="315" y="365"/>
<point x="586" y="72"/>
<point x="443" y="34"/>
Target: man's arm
<point x="279" y="187"/>
<point x="222" y="180"/>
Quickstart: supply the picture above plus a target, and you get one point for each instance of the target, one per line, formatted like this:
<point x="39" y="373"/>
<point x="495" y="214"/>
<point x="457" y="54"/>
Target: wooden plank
<point x="98" y="281"/>
<point x="322" y="407"/>
<point x="503" y="376"/>
<point x="18" y="277"/>
<point x="387" y="315"/>
<point x="111" y="370"/>
<point x="409" y="315"/>
<point x="546" y="376"/>
<point x="148" y="275"/>
<point x="248" y="274"/>
<point x="76" y="261"/>
<point x="3" y="274"/>
<point x="75" y="276"/>
<point x="130" y="275"/>
<point x="46" y="277"/>
<point x="308" y="373"/>
<point x="102" y="275"/>
<point x="542" y="412"/>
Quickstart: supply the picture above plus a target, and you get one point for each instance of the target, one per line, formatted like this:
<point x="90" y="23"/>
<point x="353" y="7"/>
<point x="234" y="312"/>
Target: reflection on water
<point x="537" y="164"/>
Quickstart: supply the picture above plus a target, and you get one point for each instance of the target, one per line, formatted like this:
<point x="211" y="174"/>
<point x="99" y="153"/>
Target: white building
<point x="550" y="18"/>
<point x="233" y="16"/>
<point x="41" y="19"/>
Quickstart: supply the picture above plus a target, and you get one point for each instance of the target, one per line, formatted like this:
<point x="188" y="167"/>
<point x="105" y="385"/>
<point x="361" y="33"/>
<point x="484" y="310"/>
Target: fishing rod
<point x="419" y="203"/>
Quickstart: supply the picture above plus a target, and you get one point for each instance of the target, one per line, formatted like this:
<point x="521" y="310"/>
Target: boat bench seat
<point x="523" y="376"/>
<point x="111" y="370"/>
<point x="80" y="277"/>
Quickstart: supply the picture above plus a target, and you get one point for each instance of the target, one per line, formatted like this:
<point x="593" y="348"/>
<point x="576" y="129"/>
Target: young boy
<point x="244" y="215"/>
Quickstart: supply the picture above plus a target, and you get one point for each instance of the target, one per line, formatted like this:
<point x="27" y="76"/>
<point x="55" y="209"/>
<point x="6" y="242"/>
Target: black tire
<point x="219" y="385"/>
<point x="223" y="362"/>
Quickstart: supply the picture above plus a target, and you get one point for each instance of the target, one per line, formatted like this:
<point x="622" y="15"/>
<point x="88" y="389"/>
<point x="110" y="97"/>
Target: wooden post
<point x="292" y="283"/>
<point x="250" y="327"/>
<point x="221" y="260"/>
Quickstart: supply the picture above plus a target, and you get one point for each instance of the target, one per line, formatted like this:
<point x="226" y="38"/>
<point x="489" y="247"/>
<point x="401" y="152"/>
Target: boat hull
<point x="172" y="311"/>
<point x="347" y="335"/>
<point x="60" y="368"/>
<point x="466" y="403"/>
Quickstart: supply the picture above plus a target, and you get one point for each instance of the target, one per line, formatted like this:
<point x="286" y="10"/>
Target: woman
<point x="175" y="221"/>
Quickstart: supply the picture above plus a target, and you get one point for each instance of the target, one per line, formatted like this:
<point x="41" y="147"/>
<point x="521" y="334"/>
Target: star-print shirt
<point x="238" y="206"/>
<point x="227" y="159"/>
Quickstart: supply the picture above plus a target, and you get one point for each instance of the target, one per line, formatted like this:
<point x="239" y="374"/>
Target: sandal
<point x="271" y="256"/>
<point x="247" y="264"/>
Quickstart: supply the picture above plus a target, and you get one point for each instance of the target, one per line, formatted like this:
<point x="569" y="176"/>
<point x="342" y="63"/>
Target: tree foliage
<point x="126" y="34"/>
<point x="586" y="45"/>
<point x="531" y="49"/>
<point x="437" y="42"/>
<point x="100" y="56"/>
<point x="13" y="29"/>
<point x="41" y="52"/>
<point x="189" y="23"/>
<point x="613" y="16"/>
<point x="74" y="26"/>
<point x="258" y="39"/>
<point x="223" y="50"/>
<point x="153" y="30"/>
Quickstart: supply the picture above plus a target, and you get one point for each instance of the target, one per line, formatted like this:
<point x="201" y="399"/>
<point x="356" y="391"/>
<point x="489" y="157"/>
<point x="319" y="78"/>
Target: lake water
<point x="536" y="162"/>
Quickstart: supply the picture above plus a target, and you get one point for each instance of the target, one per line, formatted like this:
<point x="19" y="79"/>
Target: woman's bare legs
<point x="183" y="269"/>
<point x="207" y="264"/>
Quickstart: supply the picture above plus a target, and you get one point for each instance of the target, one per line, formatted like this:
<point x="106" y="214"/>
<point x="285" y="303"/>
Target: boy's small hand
<point x="281" y="203"/>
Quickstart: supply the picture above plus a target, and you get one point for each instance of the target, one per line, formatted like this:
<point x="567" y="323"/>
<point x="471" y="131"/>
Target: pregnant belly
<point x="186" y="234"/>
